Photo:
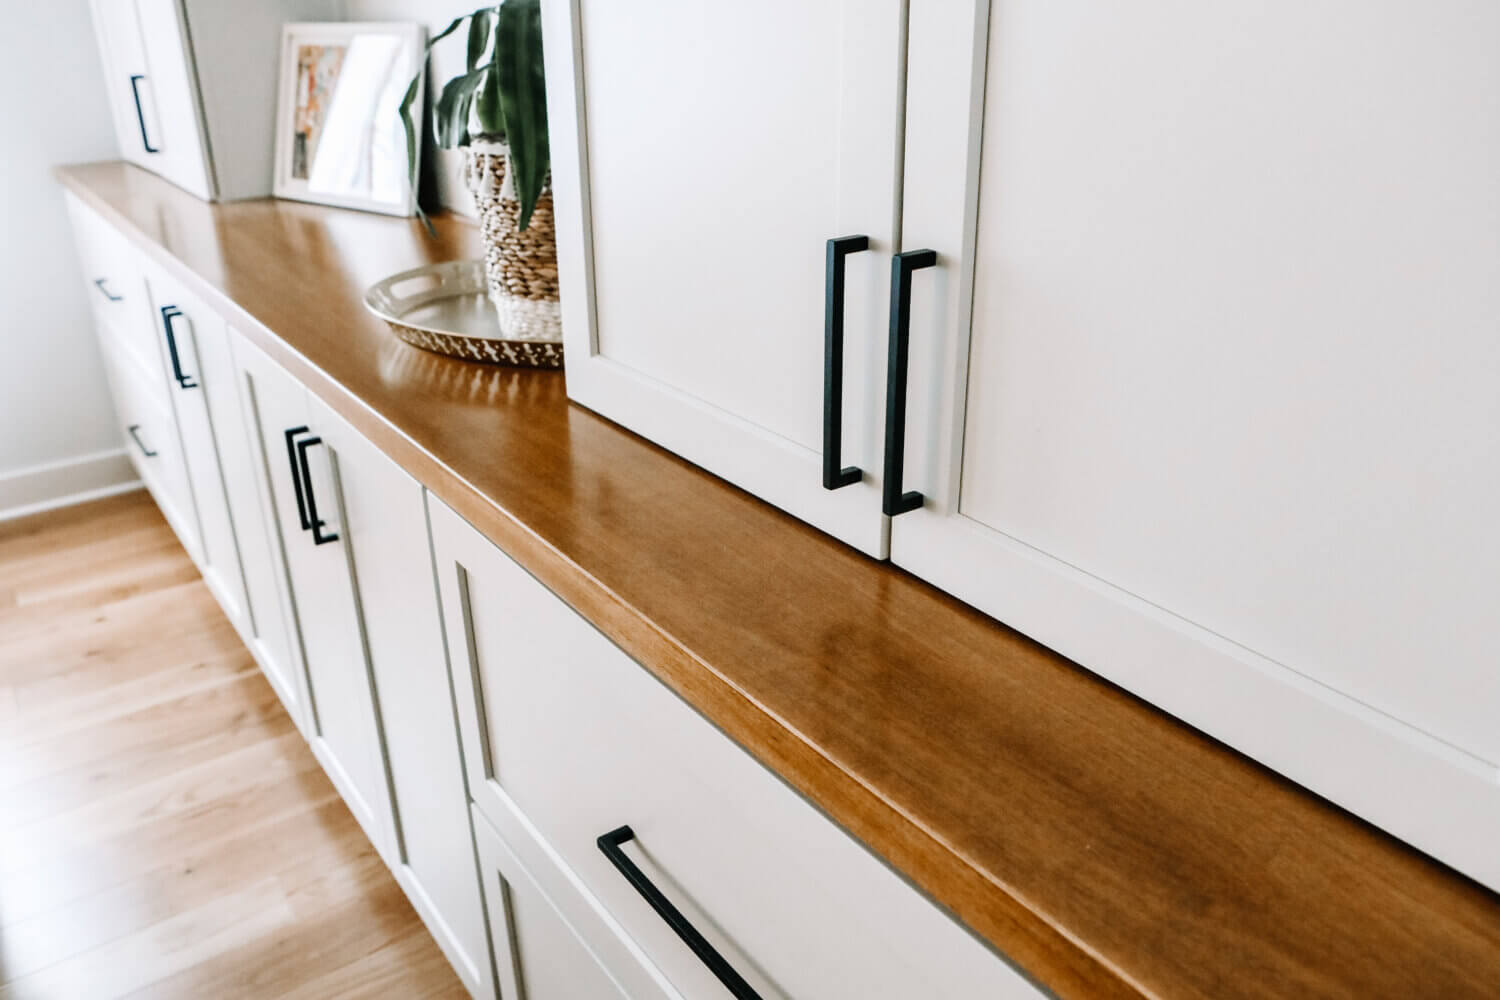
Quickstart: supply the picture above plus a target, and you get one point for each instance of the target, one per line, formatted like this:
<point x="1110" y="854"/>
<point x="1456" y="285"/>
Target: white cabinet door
<point x="540" y="954"/>
<point x="267" y="625"/>
<point x="183" y="322"/>
<point x="384" y="527"/>
<point x="154" y="89"/>
<point x="132" y="95"/>
<point x="344" y="731"/>
<point x="703" y="156"/>
<point x="1203" y="388"/>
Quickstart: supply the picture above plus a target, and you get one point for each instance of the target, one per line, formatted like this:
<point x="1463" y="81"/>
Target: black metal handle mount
<point x="103" y="290"/>
<point x="291" y="457"/>
<point x="317" y="523"/>
<point x="892" y="500"/>
<point x="834" y="476"/>
<point x="610" y="845"/>
<point x="140" y="116"/>
<point x="169" y="313"/>
<point x="134" y="431"/>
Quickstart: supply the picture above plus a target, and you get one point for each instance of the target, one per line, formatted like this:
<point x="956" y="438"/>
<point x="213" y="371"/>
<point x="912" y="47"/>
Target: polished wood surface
<point x="165" y="832"/>
<point x="1108" y="849"/>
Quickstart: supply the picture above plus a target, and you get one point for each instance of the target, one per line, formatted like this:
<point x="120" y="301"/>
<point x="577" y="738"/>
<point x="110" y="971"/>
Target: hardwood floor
<point x="164" y="830"/>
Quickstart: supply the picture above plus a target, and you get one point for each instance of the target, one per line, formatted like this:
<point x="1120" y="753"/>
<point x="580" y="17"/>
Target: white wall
<point x="447" y="62"/>
<point x="57" y="429"/>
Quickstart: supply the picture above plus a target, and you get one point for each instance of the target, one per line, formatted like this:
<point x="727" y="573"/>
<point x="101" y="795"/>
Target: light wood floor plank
<point x="164" y="831"/>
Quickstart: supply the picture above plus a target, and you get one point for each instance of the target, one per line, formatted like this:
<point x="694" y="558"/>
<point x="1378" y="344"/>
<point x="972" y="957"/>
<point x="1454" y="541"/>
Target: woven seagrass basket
<point x="520" y="266"/>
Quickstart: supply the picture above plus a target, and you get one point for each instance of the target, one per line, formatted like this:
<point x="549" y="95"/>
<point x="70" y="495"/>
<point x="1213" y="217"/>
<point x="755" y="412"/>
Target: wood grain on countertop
<point x="1105" y="847"/>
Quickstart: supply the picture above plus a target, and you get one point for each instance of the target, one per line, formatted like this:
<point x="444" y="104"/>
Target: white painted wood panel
<point x="384" y="527"/>
<point x="702" y="158"/>
<point x="345" y="729"/>
<point x="114" y="285"/>
<point x="267" y="626"/>
<point x="562" y="728"/>
<point x="150" y="433"/>
<point x="172" y="82"/>
<point x="117" y="29"/>
<point x="543" y="956"/>
<point x="219" y="556"/>
<point x="1203" y="389"/>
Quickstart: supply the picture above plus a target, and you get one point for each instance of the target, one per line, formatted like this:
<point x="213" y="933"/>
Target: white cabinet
<point x="1190" y="342"/>
<point x="693" y="229"/>
<point x="344" y="730"/>
<point x="540" y="954"/>
<point x="353" y="531"/>
<point x="571" y="742"/>
<point x="383" y="524"/>
<point x="192" y="86"/>
<point x="192" y="335"/>
<point x="1203" y="385"/>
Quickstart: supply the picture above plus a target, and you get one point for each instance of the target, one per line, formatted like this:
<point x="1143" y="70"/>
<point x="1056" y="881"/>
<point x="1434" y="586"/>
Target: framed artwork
<point x="339" y="139"/>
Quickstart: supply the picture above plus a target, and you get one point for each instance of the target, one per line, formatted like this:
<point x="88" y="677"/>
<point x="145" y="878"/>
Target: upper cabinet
<point x="1185" y="363"/>
<point x="723" y="153"/>
<point x="192" y="87"/>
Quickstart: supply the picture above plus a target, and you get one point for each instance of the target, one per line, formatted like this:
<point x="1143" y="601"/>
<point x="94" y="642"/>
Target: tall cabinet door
<point x="1203" y="385"/>
<point x="384" y="526"/>
<point x="694" y="222"/>
<point x="132" y="94"/>
<point x="153" y="89"/>
<point x="345" y="729"/>
<point x="186" y="327"/>
<point x="268" y="625"/>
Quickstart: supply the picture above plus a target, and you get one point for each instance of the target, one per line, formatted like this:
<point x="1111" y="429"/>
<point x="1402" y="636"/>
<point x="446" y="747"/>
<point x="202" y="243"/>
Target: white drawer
<point x="564" y="729"/>
<point x="151" y="439"/>
<point x="116" y="287"/>
<point x="550" y="939"/>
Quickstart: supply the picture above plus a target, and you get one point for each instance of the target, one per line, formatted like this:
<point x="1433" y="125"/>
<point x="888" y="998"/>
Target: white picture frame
<point x="373" y="176"/>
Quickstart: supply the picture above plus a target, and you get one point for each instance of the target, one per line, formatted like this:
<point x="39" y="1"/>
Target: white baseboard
<point x="65" y="482"/>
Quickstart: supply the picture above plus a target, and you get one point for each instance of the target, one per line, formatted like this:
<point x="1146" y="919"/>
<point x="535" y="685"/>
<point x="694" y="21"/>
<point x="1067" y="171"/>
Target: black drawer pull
<point x="133" y="430"/>
<point x="140" y="116"/>
<point x="99" y="284"/>
<point x="169" y="313"/>
<point x="314" y="520"/>
<point x="609" y="844"/>
<point x="291" y="458"/>
<point x="835" y="477"/>
<point x="892" y="500"/>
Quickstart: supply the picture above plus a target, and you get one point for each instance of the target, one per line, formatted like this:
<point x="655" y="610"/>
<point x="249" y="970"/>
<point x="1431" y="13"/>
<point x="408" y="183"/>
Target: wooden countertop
<point x="1103" y="846"/>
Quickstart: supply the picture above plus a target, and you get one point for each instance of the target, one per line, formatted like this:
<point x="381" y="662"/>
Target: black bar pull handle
<point x="291" y="458"/>
<point x="99" y="284"/>
<point x="140" y="116"/>
<point x="169" y="313"/>
<point x="892" y="500"/>
<point x="134" y="431"/>
<point x="835" y="477"/>
<point x="316" y="522"/>
<point x="609" y="844"/>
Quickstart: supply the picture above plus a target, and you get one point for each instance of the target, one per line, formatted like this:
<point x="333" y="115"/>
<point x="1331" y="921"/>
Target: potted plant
<point x="496" y="110"/>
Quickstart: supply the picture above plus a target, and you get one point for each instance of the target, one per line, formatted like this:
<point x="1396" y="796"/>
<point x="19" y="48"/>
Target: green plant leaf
<point x="523" y="98"/>
<point x="479" y="36"/>
<point x="408" y="125"/>
<point x="450" y="115"/>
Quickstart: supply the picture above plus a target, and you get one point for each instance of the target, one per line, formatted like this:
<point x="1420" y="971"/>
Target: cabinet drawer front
<point x="544" y="932"/>
<point x="581" y="740"/>
<point x="115" y="287"/>
<point x="150" y="434"/>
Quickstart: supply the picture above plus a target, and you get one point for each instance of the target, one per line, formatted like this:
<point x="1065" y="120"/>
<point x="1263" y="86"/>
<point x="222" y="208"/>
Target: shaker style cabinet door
<point x="1203" y="376"/>
<point x="191" y="334"/>
<point x="703" y="157"/>
<point x="383" y="521"/>
<point x="344" y="728"/>
<point x="153" y="89"/>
